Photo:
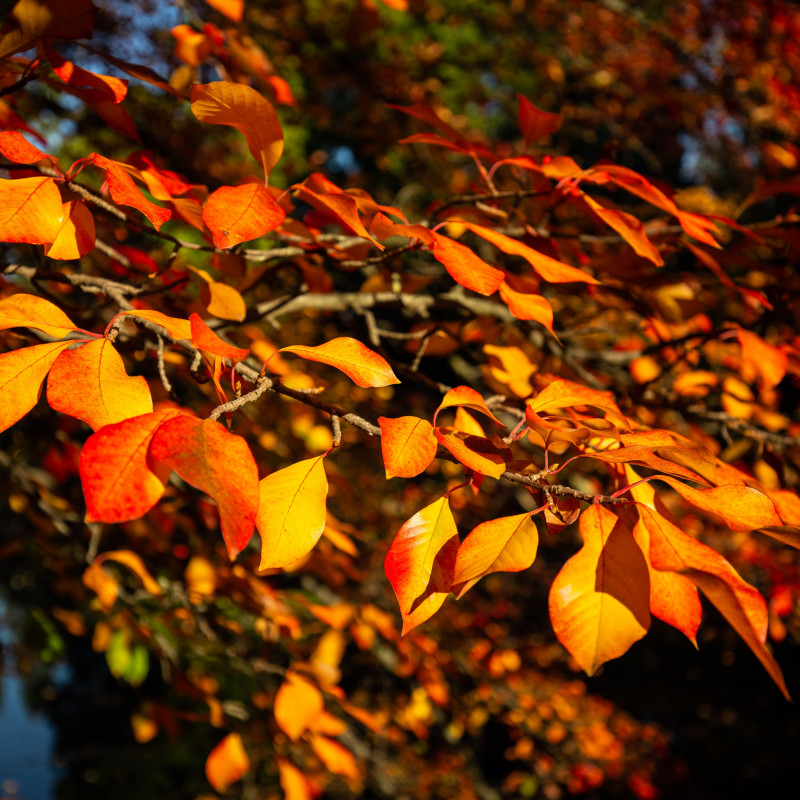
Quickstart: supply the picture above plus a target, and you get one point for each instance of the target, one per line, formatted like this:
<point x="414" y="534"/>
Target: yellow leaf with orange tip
<point x="144" y="727"/>
<point x="227" y="762"/>
<point x="291" y="514"/>
<point x="30" y="311"/>
<point x="294" y="783"/>
<point x="91" y="384"/>
<point x="599" y="601"/>
<point x="22" y="374"/>
<point x="562" y="393"/>
<point x="407" y="444"/>
<point x="76" y="236"/>
<point x="297" y="705"/>
<point x="336" y="757"/>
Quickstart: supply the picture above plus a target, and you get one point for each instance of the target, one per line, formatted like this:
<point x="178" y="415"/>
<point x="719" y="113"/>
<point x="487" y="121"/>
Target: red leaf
<point x="15" y="147"/>
<point x="237" y="214"/>
<point x="408" y="446"/>
<point x="342" y="207"/>
<point x="534" y="123"/>
<point x="464" y="266"/>
<point x="114" y="88"/>
<point x="218" y="463"/>
<point x="363" y="366"/>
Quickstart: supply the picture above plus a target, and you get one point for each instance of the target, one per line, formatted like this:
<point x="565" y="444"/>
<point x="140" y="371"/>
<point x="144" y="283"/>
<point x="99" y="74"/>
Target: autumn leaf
<point x="205" y="339"/>
<point x="91" y="384"/>
<point x="227" y="762"/>
<point x="218" y="463"/>
<point x="114" y="88"/>
<point x="15" y="147"/>
<point x="466" y="397"/>
<point x="507" y="544"/>
<point x="335" y="756"/>
<point x="645" y="458"/>
<point x="291" y="514"/>
<point x="526" y="305"/>
<point x="76" y="236"/>
<point x="342" y="207"/>
<point x="408" y="445"/>
<point x="232" y="9"/>
<point x="767" y="361"/>
<point x="22" y="374"/>
<point x="421" y="558"/>
<point x="176" y="328"/>
<point x="534" y="123"/>
<point x="363" y="366"/>
<point x="466" y="268"/>
<point x="562" y="393"/>
<point x="30" y="210"/>
<point x="52" y="19"/>
<point x="297" y="704"/>
<point x="600" y="600"/>
<point x="30" y="311"/>
<point x="474" y="452"/>
<point x="222" y="300"/>
<point x="629" y="228"/>
<point x="120" y="480"/>
<point x="236" y="214"/>
<point x="294" y="783"/>
<point x="242" y="107"/>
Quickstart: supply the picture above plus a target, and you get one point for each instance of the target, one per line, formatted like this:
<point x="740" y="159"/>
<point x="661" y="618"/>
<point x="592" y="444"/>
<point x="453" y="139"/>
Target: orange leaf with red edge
<point x="525" y="305"/>
<point x="218" y="463"/>
<point x="535" y="123"/>
<point x="243" y="108"/>
<point x="549" y="269"/>
<point x="600" y="600"/>
<point x="138" y="71"/>
<point x="29" y="311"/>
<point x="407" y="444"/>
<point x="673" y="550"/>
<point x="227" y="762"/>
<point x="474" y="452"/>
<point x="15" y="147"/>
<point x="237" y="214"/>
<point x="120" y="480"/>
<point x="421" y="559"/>
<point x="125" y="192"/>
<point x="507" y="544"/>
<point x="30" y="210"/>
<point x="22" y="374"/>
<point x="203" y="338"/>
<point x="291" y="515"/>
<point x="629" y="228"/>
<point x="91" y="384"/>
<point x="467" y="397"/>
<point x="335" y="756"/>
<point x="466" y="268"/>
<point x="740" y="507"/>
<point x="76" y="236"/>
<point x="294" y="783"/>
<point x="363" y="366"/>
<point x="297" y="704"/>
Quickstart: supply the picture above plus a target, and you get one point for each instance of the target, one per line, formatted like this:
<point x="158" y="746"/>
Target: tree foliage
<point x="410" y="346"/>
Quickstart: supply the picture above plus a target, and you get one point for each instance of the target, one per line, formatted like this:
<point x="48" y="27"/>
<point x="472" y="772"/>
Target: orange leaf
<point x="135" y="564"/>
<point x="30" y="210"/>
<point x="232" y="9"/>
<point x="30" y="311"/>
<point x="76" y="237"/>
<point x="548" y="268"/>
<point x="507" y="544"/>
<point x="673" y="550"/>
<point x="421" y="558"/>
<point x="464" y="266"/>
<point x="242" y="107"/>
<point x="113" y="88"/>
<point x="291" y="514"/>
<point x="90" y="383"/>
<point x="102" y="583"/>
<point x="468" y="398"/>
<point x="474" y="452"/>
<point x="629" y="228"/>
<point x="294" y="783"/>
<point x="22" y="374"/>
<point x="767" y="361"/>
<point x="218" y="463"/>
<point x="191" y="46"/>
<point x="177" y="328"/>
<point x="646" y="458"/>
<point x="407" y="444"/>
<point x="237" y="214"/>
<point x="562" y="393"/>
<point x="528" y="306"/>
<point x="535" y="123"/>
<point x="120" y="482"/>
<point x="342" y="207"/>
<point x="741" y="508"/>
<point x="227" y="762"/>
<point x="205" y="339"/>
<point x="336" y="757"/>
<point x="125" y="192"/>
<point x="599" y="601"/>
<point x="363" y="366"/>
<point x="297" y="704"/>
<point x="15" y="147"/>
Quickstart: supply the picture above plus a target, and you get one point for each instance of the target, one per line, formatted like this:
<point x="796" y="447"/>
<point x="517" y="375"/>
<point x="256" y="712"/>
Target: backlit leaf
<point x="22" y="374"/>
<point x="646" y="458"/>
<point x="237" y="214"/>
<point x="291" y="514"/>
<point x="535" y="123"/>
<point x="230" y="8"/>
<point x="242" y="107"/>
<point x="294" y="783"/>
<point x="205" y="339"/>
<point x="629" y="228"/>
<point x="599" y="601"/>
<point x="525" y="305"/>
<point x="76" y="236"/>
<point x="15" y="147"/>
<point x="363" y="366"/>
<point x="467" y="397"/>
<point x="135" y="564"/>
<point x="225" y="302"/>
<point x="177" y="328"/>
<point x="218" y="463"/>
<point x="91" y="384"/>
<point x="114" y="88"/>
<point x="474" y="452"/>
<point x="422" y="556"/>
<point x="227" y="762"/>
<point x="30" y="311"/>
<point x="768" y="362"/>
<point x="297" y="704"/>
<point x="408" y="445"/>
<point x="342" y="207"/>
<point x="336" y="757"/>
<point x="30" y="210"/>
<point x="562" y="393"/>
<point x="466" y="268"/>
<point x="507" y="544"/>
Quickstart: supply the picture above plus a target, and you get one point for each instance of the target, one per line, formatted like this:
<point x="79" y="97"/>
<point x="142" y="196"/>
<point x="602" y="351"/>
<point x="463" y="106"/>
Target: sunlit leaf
<point x="236" y="214"/>
<point x="227" y="762"/>
<point x="177" y="328"/>
<point x="76" y="236"/>
<point x="474" y="452"/>
<point x="468" y="398"/>
<point x="629" y="228"/>
<point x="205" y="339"/>
<point x="535" y="123"/>
<point x="230" y="8"/>
<point x="408" y="445"/>
<point x="768" y="362"/>
<point x="466" y="268"/>
<point x="30" y="311"/>
<point x="336" y="757"/>
<point x="15" y="147"/>
<point x="30" y="210"/>
<point x="294" y="783"/>
<point x="526" y="305"/>
<point x="297" y="704"/>
<point x="291" y="514"/>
